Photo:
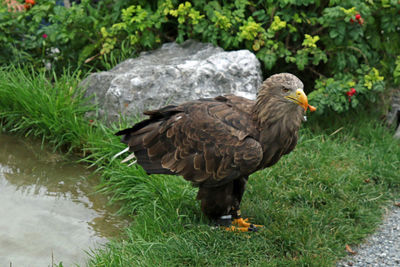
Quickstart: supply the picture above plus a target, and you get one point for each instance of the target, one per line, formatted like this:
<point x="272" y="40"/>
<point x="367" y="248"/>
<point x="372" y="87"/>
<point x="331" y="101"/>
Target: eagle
<point x="216" y="143"/>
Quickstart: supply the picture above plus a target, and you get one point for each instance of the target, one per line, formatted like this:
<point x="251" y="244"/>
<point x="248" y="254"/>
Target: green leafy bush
<point x="340" y="49"/>
<point x="50" y="35"/>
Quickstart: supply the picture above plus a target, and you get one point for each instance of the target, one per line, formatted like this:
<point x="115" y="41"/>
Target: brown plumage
<point x="217" y="143"/>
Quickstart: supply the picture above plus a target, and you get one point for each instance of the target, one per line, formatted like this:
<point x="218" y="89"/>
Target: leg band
<point x="225" y="220"/>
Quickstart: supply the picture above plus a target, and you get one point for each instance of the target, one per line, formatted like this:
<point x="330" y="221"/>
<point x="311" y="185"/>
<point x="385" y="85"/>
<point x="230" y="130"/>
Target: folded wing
<point x="209" y="142"/>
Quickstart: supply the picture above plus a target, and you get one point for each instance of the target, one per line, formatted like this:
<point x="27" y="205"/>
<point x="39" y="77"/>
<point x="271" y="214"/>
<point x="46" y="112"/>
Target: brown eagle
<point x="217" y="143"/>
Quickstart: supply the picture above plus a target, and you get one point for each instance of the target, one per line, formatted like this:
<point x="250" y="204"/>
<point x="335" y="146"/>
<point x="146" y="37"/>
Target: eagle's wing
<point x="208" y="142"/>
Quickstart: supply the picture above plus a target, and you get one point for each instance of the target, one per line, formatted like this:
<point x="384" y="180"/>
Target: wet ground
<point x="49" y="212"/>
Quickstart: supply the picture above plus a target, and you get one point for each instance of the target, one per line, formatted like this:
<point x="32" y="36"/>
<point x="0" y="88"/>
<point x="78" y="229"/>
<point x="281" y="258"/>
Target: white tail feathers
<point x="133" y="162"/>
<point x="120" y="153"/>
<point x="128" y="158"/>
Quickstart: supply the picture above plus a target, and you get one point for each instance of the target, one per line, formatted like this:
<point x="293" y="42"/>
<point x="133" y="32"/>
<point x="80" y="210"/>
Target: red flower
<point x="44" y="35"/>
<point x="352" y="20"/>
<point x="29" y="3"/>
<point x="358" y="16"/>
<point x="350" y="93"/>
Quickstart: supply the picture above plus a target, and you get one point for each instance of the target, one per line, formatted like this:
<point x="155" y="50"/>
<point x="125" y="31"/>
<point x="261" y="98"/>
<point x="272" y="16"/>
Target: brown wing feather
<point x="208" y="142"/>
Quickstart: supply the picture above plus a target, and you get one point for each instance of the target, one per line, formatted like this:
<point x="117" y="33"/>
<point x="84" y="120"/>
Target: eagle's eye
<point x="285" y="90"/>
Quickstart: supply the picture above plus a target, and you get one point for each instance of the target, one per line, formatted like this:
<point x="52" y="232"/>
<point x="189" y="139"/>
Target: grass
<point x="330" y="191"/>
<point x="50" y="108"/>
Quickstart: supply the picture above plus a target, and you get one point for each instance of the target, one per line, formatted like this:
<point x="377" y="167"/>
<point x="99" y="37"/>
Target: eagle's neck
<point x="276" y="118"/>
<point x="278" y="122"/>
<point x="270" y="109"/>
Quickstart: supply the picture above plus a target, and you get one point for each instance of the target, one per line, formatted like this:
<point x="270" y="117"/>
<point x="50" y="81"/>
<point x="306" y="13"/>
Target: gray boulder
<point x="393" y="117"/>
<point x="171" y="75"/>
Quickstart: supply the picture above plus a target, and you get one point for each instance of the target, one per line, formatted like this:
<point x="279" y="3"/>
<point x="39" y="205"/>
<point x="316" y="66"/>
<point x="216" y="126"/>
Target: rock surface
<point x="171" y="75"/>
<point x="393" y="116"/>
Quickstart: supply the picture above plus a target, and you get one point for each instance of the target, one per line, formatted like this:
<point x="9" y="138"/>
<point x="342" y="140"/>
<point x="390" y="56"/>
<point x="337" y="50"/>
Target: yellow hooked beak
<point x="300" y="99"/>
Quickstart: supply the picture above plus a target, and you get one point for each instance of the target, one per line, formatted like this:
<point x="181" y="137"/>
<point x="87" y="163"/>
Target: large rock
<point x="393" y="116"/>
<point x="171" y="75"/>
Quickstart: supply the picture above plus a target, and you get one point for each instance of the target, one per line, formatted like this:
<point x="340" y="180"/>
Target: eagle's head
<point x="281" y="96"/>
<point x="287" y="89"/>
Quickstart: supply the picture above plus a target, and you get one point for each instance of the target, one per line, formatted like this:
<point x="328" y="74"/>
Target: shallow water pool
<point x="49" y="212"/>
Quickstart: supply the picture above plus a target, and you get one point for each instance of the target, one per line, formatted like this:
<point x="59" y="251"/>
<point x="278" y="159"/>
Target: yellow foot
<point x="242" y="225"/>
<point x="245" y="223"/>
<point x="237" y="229"/>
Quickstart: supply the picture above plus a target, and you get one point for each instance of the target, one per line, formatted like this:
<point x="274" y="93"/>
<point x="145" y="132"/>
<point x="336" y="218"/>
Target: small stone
<point x="381" y="248"/>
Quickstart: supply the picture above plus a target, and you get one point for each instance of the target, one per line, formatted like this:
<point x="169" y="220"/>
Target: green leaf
<point x="268" y="57"/>
<point x="333" y="33"/>
<point x="301" y="59"/>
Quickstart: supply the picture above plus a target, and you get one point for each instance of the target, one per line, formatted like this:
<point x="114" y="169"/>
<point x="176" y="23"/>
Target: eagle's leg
<point x="221" y="204"/>
<point x="239" y="186"/>
<point x="216" y="203"/>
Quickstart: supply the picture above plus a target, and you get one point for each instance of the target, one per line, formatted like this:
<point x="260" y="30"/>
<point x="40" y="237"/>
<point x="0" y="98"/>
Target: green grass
<point x="50" y="108"/>
<point x="329" y="192"/>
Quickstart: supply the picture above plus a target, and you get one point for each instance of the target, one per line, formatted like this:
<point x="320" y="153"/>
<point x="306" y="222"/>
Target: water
<point x="48" y="209"/>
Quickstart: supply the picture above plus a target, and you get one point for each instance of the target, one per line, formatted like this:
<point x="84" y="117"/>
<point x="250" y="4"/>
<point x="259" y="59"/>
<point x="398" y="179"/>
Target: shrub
<point x="343" y="48"/>
<point x="50" y="35"/>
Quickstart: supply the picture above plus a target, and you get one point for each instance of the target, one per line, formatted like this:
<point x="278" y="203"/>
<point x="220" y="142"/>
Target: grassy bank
<point x="328" y="193"/>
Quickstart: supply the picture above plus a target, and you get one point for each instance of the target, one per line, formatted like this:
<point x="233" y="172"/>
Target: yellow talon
<point x="241" y="222"/>
<point x="237" y="229"/>
<point x="244" y="223"/>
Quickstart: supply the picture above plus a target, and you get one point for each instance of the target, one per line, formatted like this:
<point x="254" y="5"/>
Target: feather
<point x="133" y="162"/>
<point x="157" y="150"/>
<point x="198" y="162"/>
<point x="209" y="159"/>
<point x="128" y="158"/>
<point x="168" y="160"/>
<point x="150" y="137"/>
<point x="120" y="153"/>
